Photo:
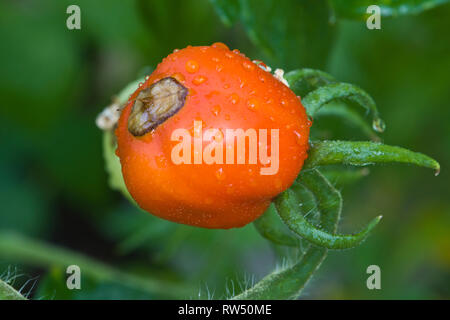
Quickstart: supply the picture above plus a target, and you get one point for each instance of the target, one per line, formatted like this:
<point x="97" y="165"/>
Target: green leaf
<point x="288" y="283"/>
<point x="270" y="227"/>
<point x="344" y="176"/>
<point x="287" y="31"/>
<point x="342" y="110"/>
<point x="287" y="206"/>
<point x="356" y="9"/>
<point x="303" y="81"/>
<point x="362" y="153"/>
<point x="112" y="164"/>
<point x="322" y="96"/>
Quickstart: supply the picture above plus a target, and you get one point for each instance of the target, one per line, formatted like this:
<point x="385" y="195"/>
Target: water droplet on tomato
<point x="199" y="80"/>
<point x="216" y="110"/>
<point x="192" y="66"/>
<point x="220" y="175"/>
<point x="234" y="98"/>
<point x="248" y="65"/>
<point x="299" y="137"/>
<point x="252" y="104"/>
<point x="220" y="45"/>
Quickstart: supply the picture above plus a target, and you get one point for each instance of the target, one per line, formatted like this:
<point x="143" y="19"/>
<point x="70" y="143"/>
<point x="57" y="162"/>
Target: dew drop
<point x="199" y="80"/>
<point x="216" y="110"/>
<point x="299" y="137"/>
<point x="234" y="98"/>
<point x="220" y="45"/>
<point x="220" y="175"/>
<point x="252" y="104"/>
<point x="379" y="125"/>
<point x="248" y="65"/>
<point x="192" y="66"/>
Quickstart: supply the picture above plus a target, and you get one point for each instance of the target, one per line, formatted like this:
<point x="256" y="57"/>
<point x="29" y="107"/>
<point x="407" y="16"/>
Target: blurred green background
<point x="56" y="206"/>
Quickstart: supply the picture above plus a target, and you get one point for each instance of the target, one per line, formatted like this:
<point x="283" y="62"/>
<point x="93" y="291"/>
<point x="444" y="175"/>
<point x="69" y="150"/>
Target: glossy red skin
<point x="226" y="90"/>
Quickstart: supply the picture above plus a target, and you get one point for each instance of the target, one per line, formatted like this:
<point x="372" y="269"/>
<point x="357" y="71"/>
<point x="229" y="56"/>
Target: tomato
<point x="180" y="138"/>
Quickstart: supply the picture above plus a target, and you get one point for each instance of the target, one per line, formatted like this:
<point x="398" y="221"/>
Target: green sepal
<point x="363" y="153"/>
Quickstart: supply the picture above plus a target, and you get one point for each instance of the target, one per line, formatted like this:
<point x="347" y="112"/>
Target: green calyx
<point x="293" y="221"/>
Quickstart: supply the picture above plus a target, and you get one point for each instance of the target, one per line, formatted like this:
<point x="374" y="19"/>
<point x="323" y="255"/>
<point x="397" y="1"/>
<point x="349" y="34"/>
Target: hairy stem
<point x="9" y="293"/>
<point x="288" y="283"/>
<point x="37" y="253"/>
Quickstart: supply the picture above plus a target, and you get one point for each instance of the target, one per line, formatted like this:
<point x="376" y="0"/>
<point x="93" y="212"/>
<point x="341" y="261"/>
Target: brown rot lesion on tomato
<point x="156" y="104"/>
